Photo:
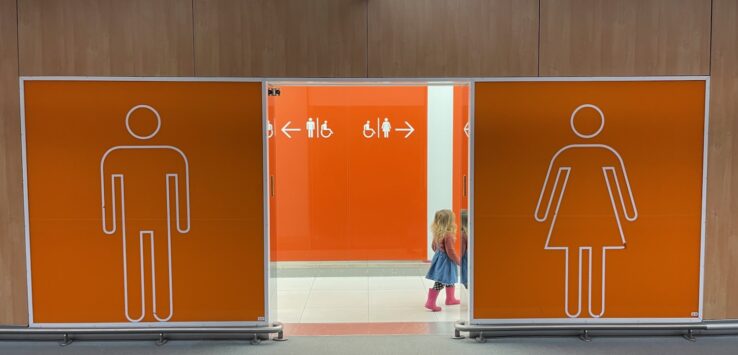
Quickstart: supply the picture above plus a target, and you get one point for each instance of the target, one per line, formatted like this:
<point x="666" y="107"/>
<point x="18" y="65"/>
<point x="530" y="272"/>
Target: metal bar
<point x="689" y="329"/>
<point x="462" y="326"/>
<point x="162" y="334"/>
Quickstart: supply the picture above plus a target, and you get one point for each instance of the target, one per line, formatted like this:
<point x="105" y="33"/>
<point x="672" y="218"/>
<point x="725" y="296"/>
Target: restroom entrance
<point x="356" y="172"/>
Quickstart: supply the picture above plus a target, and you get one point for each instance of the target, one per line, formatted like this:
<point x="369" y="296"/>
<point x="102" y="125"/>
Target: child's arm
<point x="449" y="242"/>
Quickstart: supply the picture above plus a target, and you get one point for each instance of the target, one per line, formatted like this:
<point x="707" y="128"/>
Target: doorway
<point x="356" y="173"/>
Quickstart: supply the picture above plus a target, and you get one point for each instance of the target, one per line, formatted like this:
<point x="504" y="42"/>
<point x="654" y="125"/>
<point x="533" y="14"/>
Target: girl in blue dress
<point x="445" y="260"/>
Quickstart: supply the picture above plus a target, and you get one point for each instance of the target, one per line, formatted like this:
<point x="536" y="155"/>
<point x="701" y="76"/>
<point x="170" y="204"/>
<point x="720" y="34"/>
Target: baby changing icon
<point x="588" y="189"/>
<point x="145" y="195"/>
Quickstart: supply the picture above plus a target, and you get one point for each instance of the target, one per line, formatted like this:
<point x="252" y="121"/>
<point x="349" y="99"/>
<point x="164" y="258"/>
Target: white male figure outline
<point x="310" y="127"/>
<point x="386" y="127"/>
<point x="113" y="178"/>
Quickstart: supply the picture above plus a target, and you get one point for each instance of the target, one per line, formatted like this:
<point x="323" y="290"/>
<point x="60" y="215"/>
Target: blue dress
<point x="442" y="269"/>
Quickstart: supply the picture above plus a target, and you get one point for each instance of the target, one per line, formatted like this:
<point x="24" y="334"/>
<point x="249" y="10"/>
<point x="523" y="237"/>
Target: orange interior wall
<point x="348" y="197"/>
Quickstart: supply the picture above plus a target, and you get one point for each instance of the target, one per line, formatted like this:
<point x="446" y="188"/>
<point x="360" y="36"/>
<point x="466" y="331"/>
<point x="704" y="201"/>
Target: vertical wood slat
<point x="13" y="297"/>
<point x="721" y="254"/>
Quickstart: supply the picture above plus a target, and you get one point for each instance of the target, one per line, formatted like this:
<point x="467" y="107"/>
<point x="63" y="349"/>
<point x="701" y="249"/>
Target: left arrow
<point x="286" y="130"/>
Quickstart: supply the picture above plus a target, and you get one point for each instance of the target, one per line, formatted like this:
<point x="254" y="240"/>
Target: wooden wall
<point x="13" y="297"/>
<point x="377" y="38"/>
<point x="721" y="266"/>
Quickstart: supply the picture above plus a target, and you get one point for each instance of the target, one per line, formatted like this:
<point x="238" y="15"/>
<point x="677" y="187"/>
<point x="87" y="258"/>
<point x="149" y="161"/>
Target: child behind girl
<point x="445" y="260"/>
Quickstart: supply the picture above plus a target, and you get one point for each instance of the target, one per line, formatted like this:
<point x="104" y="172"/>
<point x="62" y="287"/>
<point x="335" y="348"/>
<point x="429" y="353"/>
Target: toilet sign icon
<point x="384" y="129"/>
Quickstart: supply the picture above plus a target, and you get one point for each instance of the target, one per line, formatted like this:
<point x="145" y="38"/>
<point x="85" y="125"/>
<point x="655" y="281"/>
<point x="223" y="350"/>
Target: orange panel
<point x="190" y="189"/>
<point x="348" y="197"/>
<point x="627" y="200"/>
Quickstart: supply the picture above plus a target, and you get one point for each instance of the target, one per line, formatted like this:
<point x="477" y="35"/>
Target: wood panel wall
<point x="13" y="297"/>
<point x="288" y="38"/>
<point x="106" y="37"/>
<point x="625" y="37"/>
<point x="721" y="267"/>
<point x="441" y="38"/>
<point x="377" y="38"/>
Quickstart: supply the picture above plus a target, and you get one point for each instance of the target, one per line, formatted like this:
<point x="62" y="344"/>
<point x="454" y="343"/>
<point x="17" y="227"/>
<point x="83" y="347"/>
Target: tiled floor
<point x="363" y="299"/>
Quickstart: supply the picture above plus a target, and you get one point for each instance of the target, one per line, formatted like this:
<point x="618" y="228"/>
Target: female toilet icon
<point x="590" y="195"/>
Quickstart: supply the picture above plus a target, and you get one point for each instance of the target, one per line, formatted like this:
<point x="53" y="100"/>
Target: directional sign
<point x="467" y="129"/>
<point x="286" y="130"/>
<point x="409" y="129"/>
<point x="384" y="128"/>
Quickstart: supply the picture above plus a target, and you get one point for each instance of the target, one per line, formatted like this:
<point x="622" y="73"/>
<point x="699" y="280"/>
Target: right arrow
<point x="409" y="129"/>
<point x="286" y="130"/>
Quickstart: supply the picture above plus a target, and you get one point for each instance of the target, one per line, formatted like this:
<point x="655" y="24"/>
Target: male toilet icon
<point x="121" y="185"/>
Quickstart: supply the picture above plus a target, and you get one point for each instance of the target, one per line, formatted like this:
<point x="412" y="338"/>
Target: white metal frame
<point x="585" y="321"/>
<point x="265" y="199"/>
<point x="373" y="81"/>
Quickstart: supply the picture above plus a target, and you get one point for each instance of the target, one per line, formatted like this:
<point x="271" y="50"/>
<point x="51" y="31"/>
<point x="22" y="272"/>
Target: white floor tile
<point x="289" y="315"/>
<point x="427" y="283"/>
<point x="294" y="283"/>
<point x="292" y="299"/>
<point x="341" y="283"/>
<point x="335" y="315"/>
<point x="395" y="283"/>
<point x="410" y="314"/>
<point x="361" y="299"/>
<point x="338" y="299"/>
<point x="448" y="313"/>
<point x="383" y="299"/>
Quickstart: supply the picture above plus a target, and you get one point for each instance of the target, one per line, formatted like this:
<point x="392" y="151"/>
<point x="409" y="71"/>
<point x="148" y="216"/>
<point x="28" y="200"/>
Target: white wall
<point x="440" y="152"/>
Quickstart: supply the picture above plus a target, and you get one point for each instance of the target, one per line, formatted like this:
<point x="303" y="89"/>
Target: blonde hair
<point x="443" y="224"/>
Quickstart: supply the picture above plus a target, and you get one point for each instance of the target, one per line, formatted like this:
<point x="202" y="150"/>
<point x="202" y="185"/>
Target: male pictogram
<point x="588" y="188"/>
<point x="145" y="191"/>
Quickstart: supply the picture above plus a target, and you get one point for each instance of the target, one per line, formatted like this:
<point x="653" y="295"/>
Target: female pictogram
<point x="590" y="195"/>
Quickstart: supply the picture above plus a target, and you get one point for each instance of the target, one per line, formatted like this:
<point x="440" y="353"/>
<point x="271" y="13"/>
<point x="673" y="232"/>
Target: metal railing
<point x="67" y="335"/>
<point x="585" y="331"/>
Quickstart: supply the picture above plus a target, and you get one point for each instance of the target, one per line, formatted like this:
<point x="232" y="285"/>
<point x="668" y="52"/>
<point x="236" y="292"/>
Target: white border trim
<point x="31" y="322"/>
<point x="27" y="232"/>
<point x="705" y="159"/>
<point x="482" y="321"/>
<point x="265" y="198"/>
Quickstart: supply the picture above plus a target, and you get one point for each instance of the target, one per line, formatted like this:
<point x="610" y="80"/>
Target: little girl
<point x="445" y="260"/>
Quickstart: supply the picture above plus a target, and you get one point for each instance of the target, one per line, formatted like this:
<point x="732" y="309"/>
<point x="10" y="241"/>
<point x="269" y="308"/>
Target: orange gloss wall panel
<point x="338" y="194"/>
<point x="591" y="187"/>
<point x="119" y="200"/>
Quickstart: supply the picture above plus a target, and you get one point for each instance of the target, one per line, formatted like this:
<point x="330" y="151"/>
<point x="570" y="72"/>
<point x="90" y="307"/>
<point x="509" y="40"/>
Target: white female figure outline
<point x="598" y="194"/>
<point x="141" y="215"/>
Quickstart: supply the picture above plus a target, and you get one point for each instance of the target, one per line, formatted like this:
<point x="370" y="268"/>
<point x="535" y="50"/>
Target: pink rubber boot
<point x="450" y="299"/>
<point x="431" y="302"/>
